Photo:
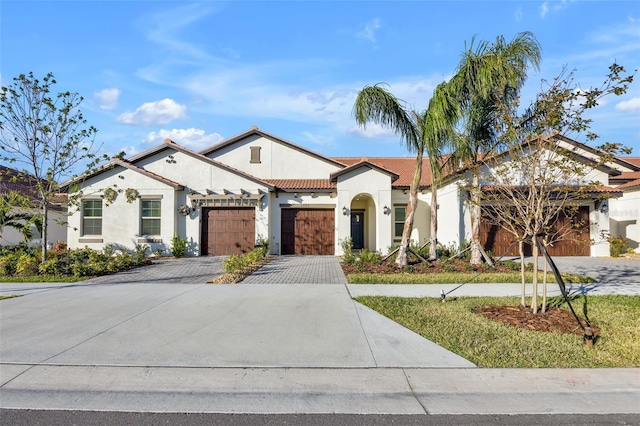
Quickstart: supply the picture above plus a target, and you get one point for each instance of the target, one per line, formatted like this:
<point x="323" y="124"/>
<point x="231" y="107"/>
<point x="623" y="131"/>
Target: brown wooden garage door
<point x="308" y="231"/>
<point x="577" y="243"/>
<point x="227" y="231"/>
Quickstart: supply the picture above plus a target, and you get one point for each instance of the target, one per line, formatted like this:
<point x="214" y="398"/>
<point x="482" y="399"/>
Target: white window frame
<point x="143" y="218"/>
<point x="85" y="217"/>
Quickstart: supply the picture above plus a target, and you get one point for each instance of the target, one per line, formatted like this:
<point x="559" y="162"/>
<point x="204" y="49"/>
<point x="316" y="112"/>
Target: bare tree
<point x="46" y="135"/>
<point x="539" y="178"/>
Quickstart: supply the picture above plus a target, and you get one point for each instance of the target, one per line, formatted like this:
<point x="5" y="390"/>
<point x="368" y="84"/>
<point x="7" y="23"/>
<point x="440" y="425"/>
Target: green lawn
<point x="488" y="343"/>
<point x="457" y="278"/>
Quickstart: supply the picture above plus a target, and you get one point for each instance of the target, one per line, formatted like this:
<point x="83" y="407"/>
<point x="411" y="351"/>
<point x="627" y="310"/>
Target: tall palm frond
<point x="376" y="104"/>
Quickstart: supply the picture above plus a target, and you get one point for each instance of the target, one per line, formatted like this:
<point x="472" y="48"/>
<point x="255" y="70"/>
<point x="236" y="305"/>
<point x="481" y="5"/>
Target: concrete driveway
<point x="118" y="320"/>
<point x="605" y="270"/>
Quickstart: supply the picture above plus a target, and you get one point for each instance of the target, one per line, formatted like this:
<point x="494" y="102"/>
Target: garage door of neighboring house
<point x="308" y="231"/>
<point x="227" y="231"/>
<point x="576" y="243"/>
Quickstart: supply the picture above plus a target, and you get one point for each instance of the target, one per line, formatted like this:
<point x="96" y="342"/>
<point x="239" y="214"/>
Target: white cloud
<point x="195" y="139"/>
<point x="557" y="6"/>
<point x="154" y="113"/>
<point x="632" y="105"/>
<point x="129" y="150"/>
<point x="319" y="139"/>
<point x="165" y="28"/>
<point x="518" y="14"/>
<point x="544" y="9"/>
<point x="107" y="99"/>
<point x="371" y="131"/>
<point x="369" y="31"/>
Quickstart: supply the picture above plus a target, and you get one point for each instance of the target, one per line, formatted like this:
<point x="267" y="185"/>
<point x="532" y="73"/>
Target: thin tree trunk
<point x="534" y="297"/>
<point x="476" y="256"/>
<point x="401" y="260"/>
<point x="544" y="281"/>
<point x="43" y="236"/>
<point x="433" y="237"/>
<point x="523" y="270"/>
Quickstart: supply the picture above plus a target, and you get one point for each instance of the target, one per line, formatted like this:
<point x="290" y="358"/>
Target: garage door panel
<point x="227" y="231"/>
<point x="308" y="231"/>
<point x="576" y="242"/>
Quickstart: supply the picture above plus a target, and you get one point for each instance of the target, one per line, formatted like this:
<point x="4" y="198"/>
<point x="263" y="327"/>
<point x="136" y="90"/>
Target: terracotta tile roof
<point x="404" y="167"/>
<point x="601" y="189"/>
<point x="626" y="176"/>
<point x="633" y="160"/>
<point x="14" y="180"/>
<point x="629" y="185"/>
<point x="301" y="184"/>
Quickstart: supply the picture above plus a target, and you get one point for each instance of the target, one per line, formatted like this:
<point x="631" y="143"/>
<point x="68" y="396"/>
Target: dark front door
<point x="357" y="230"/>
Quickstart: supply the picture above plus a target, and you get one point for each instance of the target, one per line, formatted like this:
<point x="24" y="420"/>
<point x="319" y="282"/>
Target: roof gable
<point x="166" y="145"/>
<point x="254" y="131"/>
<point x="364" y="163"/>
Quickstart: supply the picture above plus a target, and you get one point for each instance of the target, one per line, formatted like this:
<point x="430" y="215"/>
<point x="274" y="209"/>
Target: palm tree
<point x="419" y="131"/>
<point x="487" y="80"/>
<point x="439" y="119"/>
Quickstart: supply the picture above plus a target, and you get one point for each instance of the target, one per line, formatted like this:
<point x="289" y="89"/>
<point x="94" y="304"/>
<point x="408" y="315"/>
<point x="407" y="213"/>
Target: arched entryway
<point x="363" y="222"/>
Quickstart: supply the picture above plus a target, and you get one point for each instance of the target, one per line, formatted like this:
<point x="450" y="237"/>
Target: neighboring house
<point x="11" y="180"/>
<point x="256" y="186"/>
<point x="624" y="213"/>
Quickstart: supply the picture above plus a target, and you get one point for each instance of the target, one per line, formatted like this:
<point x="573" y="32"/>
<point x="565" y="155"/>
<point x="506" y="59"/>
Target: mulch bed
<point x="554" y="319"/>
<point x="454" y="265"/>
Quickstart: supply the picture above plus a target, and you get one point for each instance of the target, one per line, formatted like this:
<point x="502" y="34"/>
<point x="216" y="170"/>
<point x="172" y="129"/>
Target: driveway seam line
<point x="413" y="392"/>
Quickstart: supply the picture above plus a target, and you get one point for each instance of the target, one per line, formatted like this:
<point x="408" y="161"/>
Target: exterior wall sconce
<point x="194" y="203"/>
<point x="344" y="211"/>
<point x="386" y="210"/>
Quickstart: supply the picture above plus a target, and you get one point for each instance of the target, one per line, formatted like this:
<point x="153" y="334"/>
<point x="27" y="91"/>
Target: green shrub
<point x="51" y="266"/>
<point x="27" y="265"/>
<point x="263" y="244"/>
<point x="8" y="264"/>
<point x="238" y="262"/>
<point x="179" y="246"/>
<point x="347" y="250"/>
<point x="368" y="256"/>
<point x="232" y="264"/>
<point x="617" y="246"/>
<point x="140" y="253"/>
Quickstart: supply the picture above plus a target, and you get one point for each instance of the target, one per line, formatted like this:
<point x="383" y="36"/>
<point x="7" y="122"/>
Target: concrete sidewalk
<point x="262" y="348"/>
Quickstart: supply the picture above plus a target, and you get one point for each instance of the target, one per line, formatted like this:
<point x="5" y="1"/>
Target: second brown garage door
<point x="227" y="231"/>
<point x="308" y="231"/>
<point x="576" y="243"/>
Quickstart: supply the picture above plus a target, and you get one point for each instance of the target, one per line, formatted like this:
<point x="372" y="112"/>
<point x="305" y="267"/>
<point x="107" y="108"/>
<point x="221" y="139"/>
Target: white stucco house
<point x="256" y="186"/>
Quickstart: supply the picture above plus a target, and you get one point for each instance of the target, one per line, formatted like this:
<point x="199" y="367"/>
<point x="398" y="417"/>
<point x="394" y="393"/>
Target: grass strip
<point x="488" y="343"/>
<point x="9" y="297"/>
<point x="457" y="278"/>
<point x="43" y="279"/>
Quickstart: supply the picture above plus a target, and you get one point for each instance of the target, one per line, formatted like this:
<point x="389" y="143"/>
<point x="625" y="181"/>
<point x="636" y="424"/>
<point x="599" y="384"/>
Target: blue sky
<point x="199" y="72"/>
